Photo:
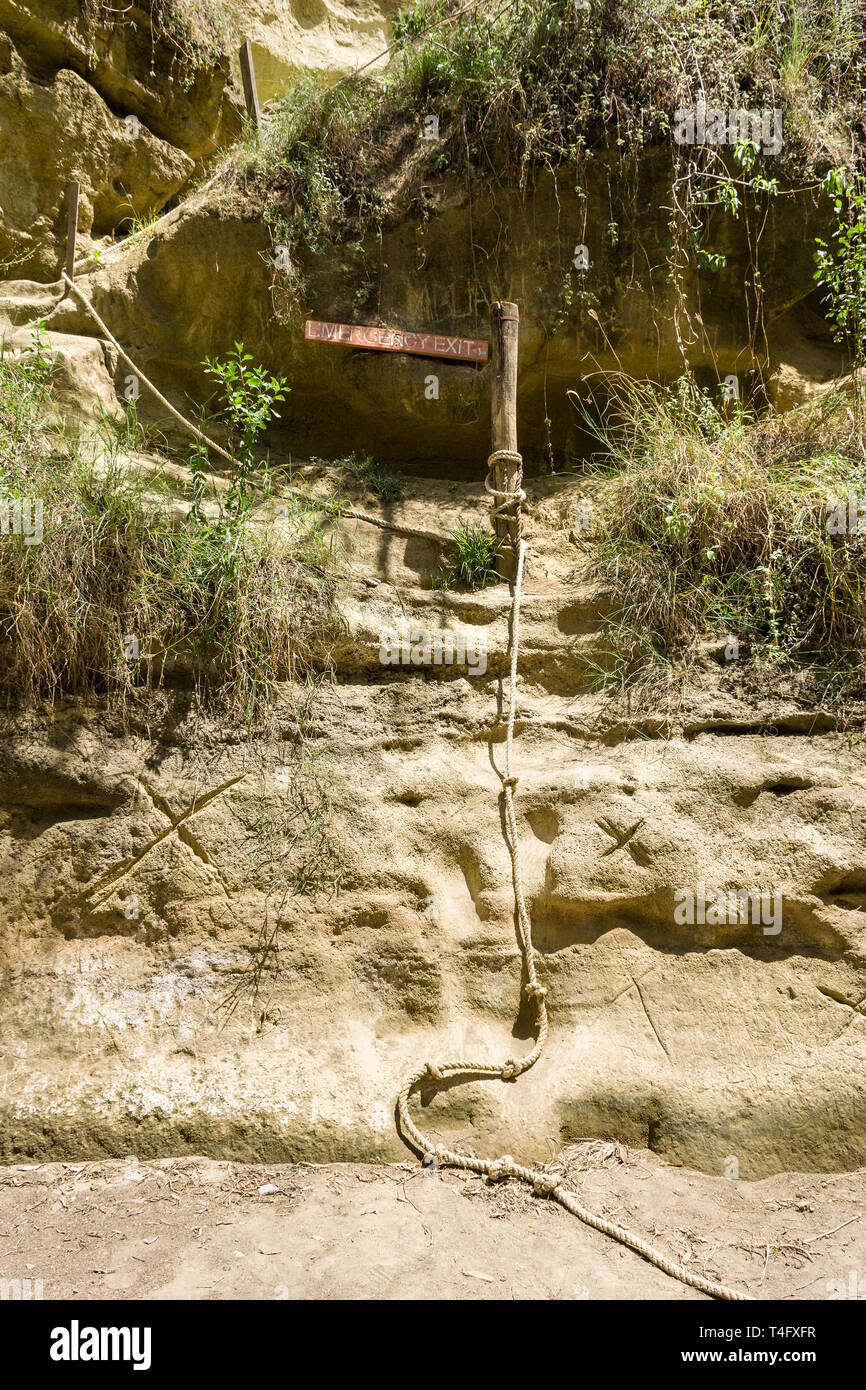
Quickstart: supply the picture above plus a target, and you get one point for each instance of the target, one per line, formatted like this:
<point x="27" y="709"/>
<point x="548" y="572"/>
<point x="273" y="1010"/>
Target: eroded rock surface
<point x="206" y="277"/>
<point x="151" y="1005"/>
<point x="329" y="37"/>
<point x="115" y="109"/>
<point x="238" y="945"/>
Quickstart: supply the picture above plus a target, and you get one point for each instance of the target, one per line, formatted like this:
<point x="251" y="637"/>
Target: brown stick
<point x="72" y="192"/>
<point x="248" y="76"/>
<point x="504" y="325"/>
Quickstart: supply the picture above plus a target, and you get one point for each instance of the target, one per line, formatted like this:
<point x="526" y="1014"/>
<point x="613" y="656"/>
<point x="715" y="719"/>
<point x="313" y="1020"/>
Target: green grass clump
<point x="473" y="564"/>
<point x="229" y="606"/>
<point x="199" y="31"/>
<point x="713" y="523"/>
<point x="541" y="84"/>
<point x="373" y="477"/>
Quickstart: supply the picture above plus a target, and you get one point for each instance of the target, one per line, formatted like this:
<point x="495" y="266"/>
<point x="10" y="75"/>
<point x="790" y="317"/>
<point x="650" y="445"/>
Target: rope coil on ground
<point x="495" y="1169"/>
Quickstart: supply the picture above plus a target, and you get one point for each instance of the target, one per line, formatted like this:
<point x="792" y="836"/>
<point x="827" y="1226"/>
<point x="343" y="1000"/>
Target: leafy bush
<point x="227" y="603"/>
<point x="712" y="524"/>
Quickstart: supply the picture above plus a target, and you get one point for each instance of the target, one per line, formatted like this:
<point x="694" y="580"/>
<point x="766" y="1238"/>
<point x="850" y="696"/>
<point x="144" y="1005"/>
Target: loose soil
<point x="199" y="1229"/>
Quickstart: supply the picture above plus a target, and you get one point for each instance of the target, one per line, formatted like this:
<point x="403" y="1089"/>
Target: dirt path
<point x="199" y="1229"/>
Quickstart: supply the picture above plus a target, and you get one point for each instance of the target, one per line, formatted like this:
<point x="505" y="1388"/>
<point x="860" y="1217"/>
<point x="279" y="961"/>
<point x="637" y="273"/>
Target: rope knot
<point x="500" y="1168"/>
<point x="510" y="782"/>
<point x="507" y="502"/>
<point x="535" y="991"/>
<point x="434" y="1073"/>
<point x="509" y="1069"/>
<point x="543" y="1184"/>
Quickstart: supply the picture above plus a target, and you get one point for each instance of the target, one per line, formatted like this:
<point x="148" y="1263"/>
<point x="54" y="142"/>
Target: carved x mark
<point x="101" y="888"/>
<point x="623" y="840"/>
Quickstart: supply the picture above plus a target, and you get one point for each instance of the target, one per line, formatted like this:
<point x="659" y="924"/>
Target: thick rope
<point x="139" y="373"/>
<point x="544" y="1184"/>
<point x="397" y="526"/>
<point x="509" y="508"/>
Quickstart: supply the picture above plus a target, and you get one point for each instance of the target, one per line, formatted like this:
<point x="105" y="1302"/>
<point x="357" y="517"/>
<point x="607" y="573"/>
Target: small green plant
<point x="709" y="260"/>
<point x="373" y="476"/>
<point x="250" y="395"/>
<point x="745" y="155"/>
<point x="198" y="462"/>
<point x="841" y="266"/>
<point x="409" y="24"/>
<point x="136" y="226"/>
<point x="40" y="363"/>
<point x="473" y="564"/>
<point x="18" y="259"/>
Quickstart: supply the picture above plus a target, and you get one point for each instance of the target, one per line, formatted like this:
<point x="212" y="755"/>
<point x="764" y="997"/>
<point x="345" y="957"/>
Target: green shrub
<point x="237" y="608"/>
<point x="541" y="84"/>
<point x="718" y="524"/>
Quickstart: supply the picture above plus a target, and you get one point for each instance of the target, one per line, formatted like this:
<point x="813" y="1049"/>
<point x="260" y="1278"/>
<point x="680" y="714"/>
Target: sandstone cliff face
<point x="328" y="37"/>
<point x="205" y="278"/>
<point x="114" y="109"/>
<point x="151" y="1003"/>
<point x="119" y="110"/>
<point x="187" y="966"/>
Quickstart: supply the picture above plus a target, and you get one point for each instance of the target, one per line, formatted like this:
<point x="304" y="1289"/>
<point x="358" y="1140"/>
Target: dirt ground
<point x="193" y="1228"/>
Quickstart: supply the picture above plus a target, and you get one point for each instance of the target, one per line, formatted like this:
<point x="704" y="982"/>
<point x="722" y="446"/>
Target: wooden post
<point x="504" y="324"/>
<point x="248" y="75"/>
<point x="72" y="192"/>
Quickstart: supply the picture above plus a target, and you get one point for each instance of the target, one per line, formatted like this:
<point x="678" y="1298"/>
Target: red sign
<point x="397" y="340"/>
